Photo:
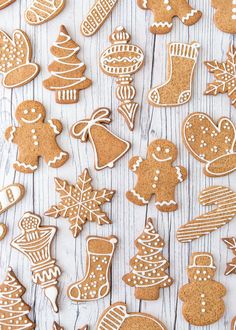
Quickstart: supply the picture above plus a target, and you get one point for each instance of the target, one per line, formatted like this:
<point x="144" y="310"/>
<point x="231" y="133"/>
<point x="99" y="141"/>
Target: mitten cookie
<point x="5" y="3"/>
<point x="41" y="11"/>
<point x="165" y="10"/>
<point x="202" y="297"/>
<point x="225" y="15"/>
<point x="35" y="138"/>
<point x="108" y="148"/>
<point x="157" y="176"/>
<point x="210" y="143"/>
<point x="231" y="245"/>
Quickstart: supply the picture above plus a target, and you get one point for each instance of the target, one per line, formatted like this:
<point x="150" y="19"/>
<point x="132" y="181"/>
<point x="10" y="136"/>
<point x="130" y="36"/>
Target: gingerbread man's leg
<point x="55" y="156"/>
<point x="186" y="13"/>
<point x="165" y="198"/>
<point x="140" y="195"/>
<point x="26" y="163"/>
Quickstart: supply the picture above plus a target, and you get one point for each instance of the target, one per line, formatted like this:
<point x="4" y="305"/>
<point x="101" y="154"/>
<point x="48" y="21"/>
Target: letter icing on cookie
<point x="231" y="244"/>
<point x="225" y="15"/>
<point x="41" y="11"/>
<point x="178" y="89"/>
<point x="157" y="176"/>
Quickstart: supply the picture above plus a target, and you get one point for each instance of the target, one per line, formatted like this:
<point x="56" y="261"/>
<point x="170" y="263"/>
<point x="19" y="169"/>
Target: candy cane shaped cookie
<point x="206" y="223"/>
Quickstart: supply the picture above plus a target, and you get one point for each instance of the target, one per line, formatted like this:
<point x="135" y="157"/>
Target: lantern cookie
<point x="35" y="138"/>
<point x="231" y="245"/>
<point x="225" y="15"/>
<point x="15" y="57"/>
<point x="41" y="11"/>
<point x="5" y="3"/>
<point x="202" y="297"/>
<point x="210" y="143"/>
<point x="122" y="60"/>
<point x="108" y="147"/>
<point x="157" y="176"/>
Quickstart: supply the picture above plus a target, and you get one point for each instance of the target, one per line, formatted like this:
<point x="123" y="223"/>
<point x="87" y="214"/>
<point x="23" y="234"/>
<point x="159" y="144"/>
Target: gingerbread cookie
<point x="148" y="273"/>
<point x="121" y="60"/>
<point x="3" y="231"/>
<point x="225" y="76"/>
<point x="96" y="283"/>
<point x="177" y="90"/>
<point x="11" y="195"/>
<point x="35" y="243"/>
<point x="67" y="70"/>
<point x="5" y="3"/>
<point x="13" y="310"/>
<point x="97" y="16"/>
<point x="202" y="297"/>
<point x="225" y="15"/>
<point x="233" y="324"/>
<point x="80" y="203"/>
<point x="210" y="143"/>
<point x="231" y="245"/>
<point x="35" y="138"/>
<point x="15" y="59"/>
<point x="116" y="317"/>
<point x="41" y="11"/>
<point x="225" y="200"/>
<point x="108" y="147"/>
<point x="157" y="176"/>
<point x="165" y="10"/>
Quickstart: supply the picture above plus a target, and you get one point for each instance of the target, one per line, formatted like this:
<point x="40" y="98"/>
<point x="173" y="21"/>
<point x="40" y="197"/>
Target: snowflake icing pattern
<point x="225" y="76"/>
<point x="80" y="203"/>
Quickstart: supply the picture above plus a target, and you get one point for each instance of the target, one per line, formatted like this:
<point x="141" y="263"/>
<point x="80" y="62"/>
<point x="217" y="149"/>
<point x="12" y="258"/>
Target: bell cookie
<point x="225" y="76"/>
<point x="149" y="266"/>
<point x="5" y="3"/>
<point x="35" y="138"/>
<point x="233" y="324"/>
<point x="165" y="10"/>
<point x="157" y="176"/>
<point x="41" y="11"/>
<point x="96" y="282"/>
<point x="97" y="16"/>
<point x="35" y="243"/>
<point x="225" y="200"/>
<point x="15" y="59"/>
<point x="231" y="245"/>
<point x="80" y="203"/>
<point x="67" y="70"/>
<point x="202" y="296"/>
<point x="121" y="60"/>
<point x="225" y="15"/>
<point x="177" y="90"/>
<point x="108" y="147"/>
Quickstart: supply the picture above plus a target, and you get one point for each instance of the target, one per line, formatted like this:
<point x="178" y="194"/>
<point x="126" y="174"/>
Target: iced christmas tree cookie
<point x="225" y="15"/>
<point x="41" y="11"/>
<point x="5" y="3"/>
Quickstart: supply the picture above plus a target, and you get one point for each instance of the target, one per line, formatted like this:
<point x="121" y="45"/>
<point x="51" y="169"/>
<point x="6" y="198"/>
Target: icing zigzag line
<point x="12" y="134"/>
<point x="166" y="203"/>
<point x="191" y="14"/>
<point x="162" y="24"/>
<point x="139" y="197"/>
<point x="26" y="165"/>
<point x="137" y="164"/>
<point x="179" y="174"/>
<point x="56" y="158"/>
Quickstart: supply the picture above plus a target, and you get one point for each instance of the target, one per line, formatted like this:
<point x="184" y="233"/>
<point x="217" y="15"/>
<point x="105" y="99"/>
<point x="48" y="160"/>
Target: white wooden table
<point x="128" y="220"/>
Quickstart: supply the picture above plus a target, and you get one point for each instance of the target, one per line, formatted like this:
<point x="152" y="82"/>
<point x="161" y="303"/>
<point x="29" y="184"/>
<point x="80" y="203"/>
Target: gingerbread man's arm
<point x="11" y="134"/>
<point x="181" y="173"/>
<point x="135" y="163"/>
<point x="56" y="125"/>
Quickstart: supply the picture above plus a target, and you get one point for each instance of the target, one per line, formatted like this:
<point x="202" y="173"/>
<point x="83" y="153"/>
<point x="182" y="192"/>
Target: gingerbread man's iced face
<point x="162" y="151"/>
<point x="30" y="112"/>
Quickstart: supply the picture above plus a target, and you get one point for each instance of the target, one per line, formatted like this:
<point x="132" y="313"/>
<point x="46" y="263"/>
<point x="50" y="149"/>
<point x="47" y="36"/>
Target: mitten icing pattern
<point x="35" y="138"/>
<point x="5" y="3"/>
<point x="231" y="245"/>
<point x="41" y="11"/>
<point x="165" y="10"/>
<point x="225" y="15"/>
<point x="210" y="143"/>
<point x="157" y="176"/>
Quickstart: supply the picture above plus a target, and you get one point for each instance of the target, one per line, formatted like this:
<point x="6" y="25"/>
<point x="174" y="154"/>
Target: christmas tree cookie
<point x="148" y="265"/>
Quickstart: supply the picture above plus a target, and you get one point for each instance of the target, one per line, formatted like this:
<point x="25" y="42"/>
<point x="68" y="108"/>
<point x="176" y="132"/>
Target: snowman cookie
<point x="225" y="15"/>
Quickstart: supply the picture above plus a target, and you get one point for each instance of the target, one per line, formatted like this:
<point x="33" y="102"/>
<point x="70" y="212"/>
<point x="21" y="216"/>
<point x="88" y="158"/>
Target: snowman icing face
<point x="162" y="151"/>
<point x="201" y="274"/>
<point x="30" y="112"/>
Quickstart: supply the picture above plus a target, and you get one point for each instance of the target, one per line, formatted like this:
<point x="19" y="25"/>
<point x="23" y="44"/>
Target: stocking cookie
<point x="202" y="297"/>
<point x="35" y="138"/>
<point x="80" y="203"/>
<point x="148" y="265"/>
<point x="178" y="88"/>
<point x="41" y="11"/>
<point x="157" y="176"/>
<point x="15" y="59"/>
<point x="96" y="283"/>
<point x="231" y="245"/>
<point x="5" y="3"/>
<point x="116" y="317"/>
<point x="210" y="143"/>
<point x="225" y="15"/>
<point x="35" y="243"/>
<point x="108" y="147"/>
<point x="122" y="60"/>
<point x="67" y="70"/>
<point x="165" y="10"/>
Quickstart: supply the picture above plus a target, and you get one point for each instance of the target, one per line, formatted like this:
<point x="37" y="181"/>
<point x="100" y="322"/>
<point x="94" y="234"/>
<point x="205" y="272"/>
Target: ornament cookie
<point x="225" y="76"/>
<point x="225" y="200"/>
<point x="67" y="70"/>
<point x="35" y="243"/>
<point x="5" y="3"/>
<point x="41" y="11"/>
<point x="35" y="138"/>
<point x="157" y="176"/>
<point x="116" y="317"/>
<point x="231" y="245"/>
<point x="97" y="16"/>
<point x="122" y="60"/>
<point x="13" y="310"/>
<point x="96" y="283"/>
<point x="165" y="10"/>
<point x="210" y="143"/>
<point x="108" y="147"/>
<point x="225" y="15"/>
<point x="148" y="265"/>
<point x="202" y="297"/>
<point x="80" y="203"/>
<point x="177" y="90"/>
<point x="15" y="59"/>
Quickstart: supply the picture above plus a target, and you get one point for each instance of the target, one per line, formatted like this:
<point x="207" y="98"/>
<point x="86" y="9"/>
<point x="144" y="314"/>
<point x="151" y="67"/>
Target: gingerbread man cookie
<point x="225" y="15"/>
<point x="35" y="138"/>
<point x="157" y="176"/>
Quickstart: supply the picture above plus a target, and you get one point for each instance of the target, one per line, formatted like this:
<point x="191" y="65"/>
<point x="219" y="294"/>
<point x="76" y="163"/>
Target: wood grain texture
<point x="151" y="123"/>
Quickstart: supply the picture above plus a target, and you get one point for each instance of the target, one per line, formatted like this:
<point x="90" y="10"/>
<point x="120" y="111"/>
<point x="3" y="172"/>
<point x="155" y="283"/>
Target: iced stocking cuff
<point x="185" y="50"/>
